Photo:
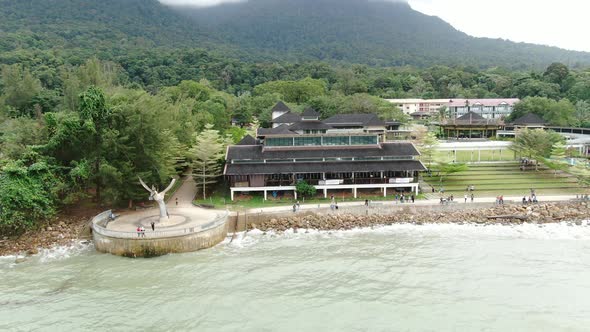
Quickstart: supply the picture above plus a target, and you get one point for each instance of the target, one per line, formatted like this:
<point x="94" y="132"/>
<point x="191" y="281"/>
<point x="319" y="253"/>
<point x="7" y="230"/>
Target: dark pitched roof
<point x="530" y="118"/>
<point x="288" y="117"/>
<point x="310" y="113"/>
<point x="247" y="140"/>
<point x="309" y="125"/>
<point x="258" y="152"/>
<point x="280" y="106"/>
<point x="327" y="167"/>
<point x="354" y="120"/>
<point x="470" y="116"/>
<point x="280" y="130"/>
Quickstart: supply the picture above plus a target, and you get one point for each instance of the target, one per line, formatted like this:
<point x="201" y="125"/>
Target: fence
<point x="100" y="222"/>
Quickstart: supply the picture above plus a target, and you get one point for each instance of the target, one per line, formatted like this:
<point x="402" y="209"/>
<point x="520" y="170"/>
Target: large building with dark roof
<point x="344" y="152"/>
<point x="470" y="125"/>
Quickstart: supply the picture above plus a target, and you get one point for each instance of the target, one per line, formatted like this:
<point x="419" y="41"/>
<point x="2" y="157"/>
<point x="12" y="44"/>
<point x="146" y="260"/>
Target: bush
<point x="304" y="189"/>
<point x="26" y="197"/>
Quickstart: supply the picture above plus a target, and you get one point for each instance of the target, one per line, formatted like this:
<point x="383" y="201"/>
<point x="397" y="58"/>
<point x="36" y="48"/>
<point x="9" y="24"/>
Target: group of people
<point x="532" y="199"/>
<point x="472" y="197"/>
<point x="500" y="200"/>
<point x="141" y="230"/>
<point x="447" y="200"/>
<point x="403" y="198"/>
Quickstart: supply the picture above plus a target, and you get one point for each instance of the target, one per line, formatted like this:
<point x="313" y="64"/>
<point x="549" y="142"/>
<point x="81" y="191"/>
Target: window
<point x="279" y="141"/>
<point x="363" y="140"/>
<point x="336" y="140"/>
<point x="305" y="141"/>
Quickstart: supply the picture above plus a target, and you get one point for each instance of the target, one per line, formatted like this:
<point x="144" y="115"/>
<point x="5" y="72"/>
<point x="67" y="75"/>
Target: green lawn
<point x="484" y="155"/>
<point x="505" y="179"/>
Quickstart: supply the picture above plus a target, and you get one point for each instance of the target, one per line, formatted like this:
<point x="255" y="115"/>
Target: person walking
<point x="138" y="231"/>
<point x="298" y="206"/>
<point x="465" y="197"/>
<point x="142" y="231"/>
<point x="472" y="197"/>
<point x="153" y="224"/>
<point x="413" y="198"/>
<point x="176" y="201"/>
<point x="366" y="202"/>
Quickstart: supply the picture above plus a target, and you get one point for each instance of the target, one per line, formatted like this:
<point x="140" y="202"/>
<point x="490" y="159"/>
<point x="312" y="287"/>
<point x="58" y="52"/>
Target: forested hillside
<point x="381" y="33"/>
<point x="376" y="33"/>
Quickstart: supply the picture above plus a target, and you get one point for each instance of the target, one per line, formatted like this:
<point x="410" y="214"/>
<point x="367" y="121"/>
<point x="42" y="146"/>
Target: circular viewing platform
<point x="187" y="229"/>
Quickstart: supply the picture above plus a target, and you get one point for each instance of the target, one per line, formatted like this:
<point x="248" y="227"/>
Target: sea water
<point x="396" y="278"/>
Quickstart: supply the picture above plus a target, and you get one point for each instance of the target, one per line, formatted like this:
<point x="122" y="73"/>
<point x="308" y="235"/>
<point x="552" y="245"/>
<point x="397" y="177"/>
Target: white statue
<point x="159" y="198"/>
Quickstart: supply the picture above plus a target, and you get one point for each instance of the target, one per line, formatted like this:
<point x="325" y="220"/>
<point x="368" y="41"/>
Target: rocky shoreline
<point x="64" y="230"/>
<point x="502" y="214"/>
<point x="70" y="229"/>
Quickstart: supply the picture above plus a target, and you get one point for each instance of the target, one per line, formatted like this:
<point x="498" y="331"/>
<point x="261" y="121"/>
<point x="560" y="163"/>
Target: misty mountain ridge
<point x="374" y="32"/>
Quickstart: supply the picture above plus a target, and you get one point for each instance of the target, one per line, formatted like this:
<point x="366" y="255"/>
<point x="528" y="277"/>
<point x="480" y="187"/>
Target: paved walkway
<point x="422" y="202"/>
<point x="182" y="215"/>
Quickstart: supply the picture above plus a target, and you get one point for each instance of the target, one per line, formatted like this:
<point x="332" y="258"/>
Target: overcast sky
<point x="560" y="23"/>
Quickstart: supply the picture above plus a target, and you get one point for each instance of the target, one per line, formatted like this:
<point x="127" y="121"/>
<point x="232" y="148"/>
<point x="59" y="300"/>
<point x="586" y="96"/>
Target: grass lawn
<point x="505" y="179"/>
<point x="486" y="155"/>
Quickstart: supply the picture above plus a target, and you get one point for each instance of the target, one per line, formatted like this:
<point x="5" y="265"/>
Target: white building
<point x="420" y="107"/>
<point x="487" y="108"/>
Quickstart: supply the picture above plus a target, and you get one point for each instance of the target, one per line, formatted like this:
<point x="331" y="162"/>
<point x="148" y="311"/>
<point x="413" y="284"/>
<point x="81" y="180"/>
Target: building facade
<point x="486" y="108"/>
<point x="420" y="108"/>
<point x="342" y="153"/>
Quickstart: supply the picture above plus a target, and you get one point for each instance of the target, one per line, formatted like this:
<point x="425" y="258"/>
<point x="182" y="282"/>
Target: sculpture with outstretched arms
<point x="159" y="198"/>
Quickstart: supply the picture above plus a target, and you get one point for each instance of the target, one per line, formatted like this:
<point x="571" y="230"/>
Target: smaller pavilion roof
<point x="529" y="119"/>
<point x="247" y="140"/>
<point x="280" y="130"/>
<point x="288" y="117"/>
<point x="310" y="113"/>
<point x="281" y="107"/>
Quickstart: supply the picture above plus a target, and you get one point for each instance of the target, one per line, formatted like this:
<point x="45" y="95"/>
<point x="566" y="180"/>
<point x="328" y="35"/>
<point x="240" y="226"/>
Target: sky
<point x="560" y="23"/>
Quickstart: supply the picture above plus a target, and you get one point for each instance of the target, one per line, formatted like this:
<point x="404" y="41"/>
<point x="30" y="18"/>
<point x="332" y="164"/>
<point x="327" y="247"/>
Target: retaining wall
<point x="156" y="246"/>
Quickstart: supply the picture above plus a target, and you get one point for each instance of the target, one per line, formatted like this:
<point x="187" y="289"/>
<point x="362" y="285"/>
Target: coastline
<point x="542" y="213"/>
<point x="68" y="230"/>
<point x="65" y="230"/>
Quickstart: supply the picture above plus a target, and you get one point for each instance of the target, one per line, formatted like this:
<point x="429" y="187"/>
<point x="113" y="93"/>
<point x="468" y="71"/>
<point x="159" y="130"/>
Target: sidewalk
<point x="422" y="202"/>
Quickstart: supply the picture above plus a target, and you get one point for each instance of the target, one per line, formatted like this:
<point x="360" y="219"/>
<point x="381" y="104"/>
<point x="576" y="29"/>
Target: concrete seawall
<point x="128" y="246"/>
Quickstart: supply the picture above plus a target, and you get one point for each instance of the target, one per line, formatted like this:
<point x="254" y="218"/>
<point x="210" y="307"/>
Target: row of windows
<point x="319" y="141"/>
<point x="314" y="160"/>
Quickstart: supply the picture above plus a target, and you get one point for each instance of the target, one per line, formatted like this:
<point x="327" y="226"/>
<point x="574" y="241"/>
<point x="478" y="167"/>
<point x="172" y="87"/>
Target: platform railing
<point x="100" y="222"/>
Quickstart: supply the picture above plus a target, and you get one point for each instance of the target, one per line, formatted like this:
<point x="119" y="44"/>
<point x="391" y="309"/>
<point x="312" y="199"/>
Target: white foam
<point x="557" y="231"/>
<point x="63" y="252"/>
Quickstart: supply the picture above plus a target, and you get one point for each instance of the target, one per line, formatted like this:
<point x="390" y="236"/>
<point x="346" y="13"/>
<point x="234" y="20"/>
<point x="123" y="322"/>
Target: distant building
<point x="344" y="152"/>
<point x="486" y="108"/>
<point x="470" y="126"/>
<point x="420" y="108"/>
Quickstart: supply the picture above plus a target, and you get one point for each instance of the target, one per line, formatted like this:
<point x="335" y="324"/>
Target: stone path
<point x="185" y="194"/>
<point x="424" y="202"/>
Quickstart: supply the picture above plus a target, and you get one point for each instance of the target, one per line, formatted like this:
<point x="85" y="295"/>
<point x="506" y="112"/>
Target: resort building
<point x="470" y="126"/>
<point x="347" y="152"/>
<point x="420" y="108"/>
<point x="486" y="108"/>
